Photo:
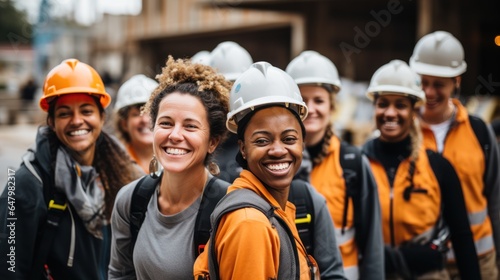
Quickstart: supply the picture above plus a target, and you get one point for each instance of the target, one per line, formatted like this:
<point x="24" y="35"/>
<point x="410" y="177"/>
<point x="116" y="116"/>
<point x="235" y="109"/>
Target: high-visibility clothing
<point x="463" y="150"/>
<point x="247" y="244"/>
<point x="402" y="220"/>
<point x="422" y="205"/>
<point x="327" y="178"/>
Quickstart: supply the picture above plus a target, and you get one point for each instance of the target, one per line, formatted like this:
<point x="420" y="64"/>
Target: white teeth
<point x="144" y="130"/>
<point x="173" y="151"/>
<point x="279" y="166"/>
<point x="391" y="123"/>
<point x="79" y="132"/>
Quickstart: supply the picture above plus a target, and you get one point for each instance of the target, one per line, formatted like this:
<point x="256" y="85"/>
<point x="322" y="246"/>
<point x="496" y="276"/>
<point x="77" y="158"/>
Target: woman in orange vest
<point x="353" y="205"/>
<point x="419" y="192"/>
<point x="466" y="141"/>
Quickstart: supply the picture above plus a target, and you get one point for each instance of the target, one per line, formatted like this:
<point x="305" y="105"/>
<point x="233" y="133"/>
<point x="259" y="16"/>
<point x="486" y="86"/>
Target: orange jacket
<point x="404" y="220"/>
<point x="247" y="245"/>
<point x="327" y="178"/>
<point x="465" y="153"/>
<point x="134" y="157"/>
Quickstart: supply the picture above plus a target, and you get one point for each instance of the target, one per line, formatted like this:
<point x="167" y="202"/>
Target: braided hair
<point x="325" y="144"/>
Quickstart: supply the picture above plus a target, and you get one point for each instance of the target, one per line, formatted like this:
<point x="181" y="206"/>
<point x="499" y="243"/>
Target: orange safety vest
<point x="465" y="153"/>
<point x="405" y="221"/>
<point x="234" y="264"/>
<point x="134" y="157"/>
<point x="328" y="180"/>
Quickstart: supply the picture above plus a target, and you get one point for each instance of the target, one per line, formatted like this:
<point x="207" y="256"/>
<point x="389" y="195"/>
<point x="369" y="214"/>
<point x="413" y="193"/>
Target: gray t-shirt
<point x="164" y="246"/>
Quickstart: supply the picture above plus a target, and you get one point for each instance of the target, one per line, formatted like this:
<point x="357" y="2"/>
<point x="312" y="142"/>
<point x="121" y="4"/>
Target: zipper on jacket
<point x="72" y="243"/>
<point x="391" y="215"/>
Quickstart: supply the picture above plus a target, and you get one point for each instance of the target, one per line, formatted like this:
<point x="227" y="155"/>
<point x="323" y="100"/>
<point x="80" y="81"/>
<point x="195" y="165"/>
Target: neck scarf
<point x="83" y="190"/>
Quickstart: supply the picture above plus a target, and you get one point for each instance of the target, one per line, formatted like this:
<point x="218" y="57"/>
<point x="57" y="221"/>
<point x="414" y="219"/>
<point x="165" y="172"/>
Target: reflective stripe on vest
<point x="483" y="246"/>
<point x="477" y="218"/>
<point x="465" y="153"/>
<point x="351" y="272"/>
<point x="348" y="235"/>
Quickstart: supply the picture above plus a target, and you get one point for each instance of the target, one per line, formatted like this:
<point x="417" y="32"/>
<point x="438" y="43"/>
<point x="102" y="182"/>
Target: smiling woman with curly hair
<point x="188" y="112"/>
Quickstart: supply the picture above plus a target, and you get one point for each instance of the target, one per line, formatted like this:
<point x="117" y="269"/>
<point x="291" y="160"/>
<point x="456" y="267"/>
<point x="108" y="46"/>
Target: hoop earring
<point x="153" y="167"/>
<point x="213" y="168"/>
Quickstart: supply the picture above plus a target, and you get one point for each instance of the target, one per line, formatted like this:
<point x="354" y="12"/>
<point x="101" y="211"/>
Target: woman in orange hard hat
<point x="56" y="207"/>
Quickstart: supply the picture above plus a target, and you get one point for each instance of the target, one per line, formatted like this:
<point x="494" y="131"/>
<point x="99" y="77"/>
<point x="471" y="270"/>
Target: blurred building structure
<point x="15" y="69"/>
<point x="358" y="36"/>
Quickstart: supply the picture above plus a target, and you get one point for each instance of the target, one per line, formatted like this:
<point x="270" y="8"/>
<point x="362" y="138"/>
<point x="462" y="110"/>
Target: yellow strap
<point x="52" y="204"/>
<point x="305" y="220"/>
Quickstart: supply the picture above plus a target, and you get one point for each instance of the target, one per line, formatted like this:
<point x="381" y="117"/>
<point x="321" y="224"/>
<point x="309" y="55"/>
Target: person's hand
<point x="422" y="258"/>
<point x="395" y="263"/>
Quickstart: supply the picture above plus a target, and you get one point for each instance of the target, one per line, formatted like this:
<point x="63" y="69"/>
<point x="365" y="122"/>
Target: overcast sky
<point x="87" y="11"/>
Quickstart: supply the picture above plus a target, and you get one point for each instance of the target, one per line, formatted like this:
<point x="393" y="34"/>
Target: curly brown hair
<point x="198" y="80"/>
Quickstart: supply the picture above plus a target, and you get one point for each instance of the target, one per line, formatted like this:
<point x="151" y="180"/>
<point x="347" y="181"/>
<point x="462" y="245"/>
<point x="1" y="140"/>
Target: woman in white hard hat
<point x="134" y="127"/>
<point x="266" y="113"/>
<point x="466" y="141"/>
<point x="230" y="59"/>
<point x="421" y="199"/>
<point x="353" y="205"/>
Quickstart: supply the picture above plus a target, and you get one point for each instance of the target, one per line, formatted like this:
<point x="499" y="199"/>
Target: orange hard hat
<point x="73" y="76"/>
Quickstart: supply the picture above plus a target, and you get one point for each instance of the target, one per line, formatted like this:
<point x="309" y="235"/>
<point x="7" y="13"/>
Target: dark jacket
<point x="90" y="255"/>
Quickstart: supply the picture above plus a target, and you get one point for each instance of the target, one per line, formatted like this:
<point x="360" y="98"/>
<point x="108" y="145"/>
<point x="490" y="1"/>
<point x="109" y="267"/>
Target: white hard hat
<point x="201" y="57"/>
<point x="135" y="90"/>
<point x="310" y="67"/>
<point x="396" y="77"/>
<point x="230" y="59"/>
<point x="438" y="54"/>
<point x="263" y="84"/>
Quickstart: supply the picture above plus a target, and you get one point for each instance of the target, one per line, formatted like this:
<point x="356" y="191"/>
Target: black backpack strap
<point x="244" y="198"/>
<point x="481" y="131"/>
<point x="56" y="206"/>
<point x="350" y="161"/>
<point x="300" y="196"/>
<point x="139" y="204"/>
<point x="214" y="191"/>
<point x="441" y="233"/>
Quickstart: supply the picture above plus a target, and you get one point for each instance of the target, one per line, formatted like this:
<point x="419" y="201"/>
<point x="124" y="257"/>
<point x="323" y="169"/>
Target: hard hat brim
<point x="318" y="81"/>
<point x="395" y="90"/>
<point x="437" y="70"/>
<point x="104" y="97"/>
<point x="232" y="123"/>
